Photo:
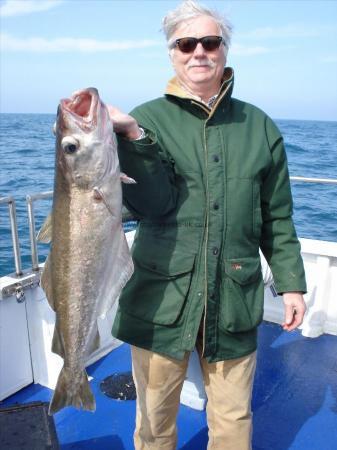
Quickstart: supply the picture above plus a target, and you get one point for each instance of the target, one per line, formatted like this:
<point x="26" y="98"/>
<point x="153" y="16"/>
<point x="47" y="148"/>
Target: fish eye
<point x="70" y="148"/>
<point x="70" y="145"/>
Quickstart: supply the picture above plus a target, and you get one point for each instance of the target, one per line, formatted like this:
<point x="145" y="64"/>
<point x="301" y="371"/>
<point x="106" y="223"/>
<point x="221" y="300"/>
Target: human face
<point x="200" y="71"/>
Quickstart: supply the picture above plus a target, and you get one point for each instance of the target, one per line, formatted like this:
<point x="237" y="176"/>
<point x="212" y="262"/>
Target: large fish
<point x="89" y="262"/>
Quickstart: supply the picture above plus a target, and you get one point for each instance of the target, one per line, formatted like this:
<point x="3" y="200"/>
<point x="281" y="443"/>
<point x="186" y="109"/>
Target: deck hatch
<point x="119" y="386"/>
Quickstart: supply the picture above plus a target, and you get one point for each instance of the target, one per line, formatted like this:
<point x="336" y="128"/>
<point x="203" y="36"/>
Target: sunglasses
<point x="189" y="44"/>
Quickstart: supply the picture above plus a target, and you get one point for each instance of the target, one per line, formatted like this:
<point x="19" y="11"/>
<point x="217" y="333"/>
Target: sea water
<point x="27" y="167"/>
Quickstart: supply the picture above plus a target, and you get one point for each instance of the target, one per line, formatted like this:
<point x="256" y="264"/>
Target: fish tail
<point x="69" y="393"/>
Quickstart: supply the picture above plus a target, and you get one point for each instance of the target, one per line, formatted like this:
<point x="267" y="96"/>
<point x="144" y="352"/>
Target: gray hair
<point x="190" y="9"/>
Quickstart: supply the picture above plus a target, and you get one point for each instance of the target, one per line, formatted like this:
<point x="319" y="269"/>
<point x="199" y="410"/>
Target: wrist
<point x="134" y="133"/>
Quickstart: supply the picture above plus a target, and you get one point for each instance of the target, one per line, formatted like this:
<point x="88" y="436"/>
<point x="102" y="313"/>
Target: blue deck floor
<point x="294" y="400"/>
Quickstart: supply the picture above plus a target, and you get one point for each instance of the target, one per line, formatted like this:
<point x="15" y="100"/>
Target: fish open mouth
<point x="82" y="106"/>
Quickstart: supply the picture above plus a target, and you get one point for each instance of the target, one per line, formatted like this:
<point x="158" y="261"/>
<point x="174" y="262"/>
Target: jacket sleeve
<point x="155" y="193"/>
<point x="279" y="242"/>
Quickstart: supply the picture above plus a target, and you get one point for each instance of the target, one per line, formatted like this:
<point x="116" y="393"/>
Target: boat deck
<point x="294" y="400"/>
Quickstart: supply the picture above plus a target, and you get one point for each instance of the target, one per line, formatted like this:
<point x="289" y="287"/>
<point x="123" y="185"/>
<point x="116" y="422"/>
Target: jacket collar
<point x="175" y="89"/>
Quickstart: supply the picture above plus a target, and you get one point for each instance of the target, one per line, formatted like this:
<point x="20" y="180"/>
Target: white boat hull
<point x="26" y="329"/>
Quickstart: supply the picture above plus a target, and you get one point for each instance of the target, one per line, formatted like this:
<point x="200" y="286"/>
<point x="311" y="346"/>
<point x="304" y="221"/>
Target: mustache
<point x="205" y="62"/>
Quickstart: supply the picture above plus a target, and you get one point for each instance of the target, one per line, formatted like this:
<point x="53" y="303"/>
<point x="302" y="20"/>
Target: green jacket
<point x="212" y="187"/>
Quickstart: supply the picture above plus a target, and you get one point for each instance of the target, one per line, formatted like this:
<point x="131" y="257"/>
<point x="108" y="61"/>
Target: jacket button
<point x="215" y="250"/>
<point x="212" y="296"/>
<point x="216" y="206"/>
<point x="216" y="158"/>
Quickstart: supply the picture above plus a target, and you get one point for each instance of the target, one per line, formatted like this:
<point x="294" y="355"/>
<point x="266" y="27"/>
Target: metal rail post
<point x="14" y="232"/>
<point x="31" y="222"/>
<point x="314" y="180"/>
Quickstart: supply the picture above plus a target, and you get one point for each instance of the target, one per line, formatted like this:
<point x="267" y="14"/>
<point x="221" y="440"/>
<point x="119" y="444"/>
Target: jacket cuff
<point x="142" y="144"/>
<point x="282" y="289"/>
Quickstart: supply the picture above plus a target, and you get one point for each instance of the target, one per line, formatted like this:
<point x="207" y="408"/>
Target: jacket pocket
<point x="160" y="283"/>
<point x="242" y="291"/>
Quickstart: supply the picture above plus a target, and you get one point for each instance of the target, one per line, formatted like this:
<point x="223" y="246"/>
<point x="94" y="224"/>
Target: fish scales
<point x="89" y="262"/>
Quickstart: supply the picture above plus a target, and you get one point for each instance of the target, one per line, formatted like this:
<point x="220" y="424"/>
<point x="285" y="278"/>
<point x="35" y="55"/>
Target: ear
<point x="225" y="52"/>
<point x="170" y="53"/>
<point x="171" y="56"/>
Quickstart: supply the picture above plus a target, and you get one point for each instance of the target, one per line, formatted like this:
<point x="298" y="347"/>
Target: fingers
<point x="293" y="320"/>
<point x="113" y="110"/>
<point x="124" y="124"/>
<point x="294" y="310"/>
<point x="289" y="314"/>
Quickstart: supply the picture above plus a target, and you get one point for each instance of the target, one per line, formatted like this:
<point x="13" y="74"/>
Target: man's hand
<point x="124" y="124"/>
<point x="294" y="308"/>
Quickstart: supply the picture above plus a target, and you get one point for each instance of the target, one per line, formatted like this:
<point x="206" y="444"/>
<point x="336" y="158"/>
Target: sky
<point x="284" y="53"/>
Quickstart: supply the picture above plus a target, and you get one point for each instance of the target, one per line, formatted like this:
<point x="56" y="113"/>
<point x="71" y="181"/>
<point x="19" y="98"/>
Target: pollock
<point x="89" y="261"/>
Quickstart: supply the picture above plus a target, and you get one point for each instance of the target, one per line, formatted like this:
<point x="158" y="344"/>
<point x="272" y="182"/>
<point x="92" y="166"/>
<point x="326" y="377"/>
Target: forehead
<point x="198" y="27"/>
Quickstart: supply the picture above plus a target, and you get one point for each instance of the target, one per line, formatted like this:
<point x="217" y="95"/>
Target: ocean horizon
<point x="273" y="118"/>
<point x="27" y="167"/>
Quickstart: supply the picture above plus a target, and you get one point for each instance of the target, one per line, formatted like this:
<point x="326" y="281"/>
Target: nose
<point x="199" y="50"/>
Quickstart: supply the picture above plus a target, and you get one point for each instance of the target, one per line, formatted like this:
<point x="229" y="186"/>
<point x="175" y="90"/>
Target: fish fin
<point x="127" y="180"/>
<point x="99" y="194"/>
<point x="45" y="233"/>
<point x="68" y="393"/>
<point x="122" y="269"/>
<point x="46" y="282"/>
<point x="57" y="343"/>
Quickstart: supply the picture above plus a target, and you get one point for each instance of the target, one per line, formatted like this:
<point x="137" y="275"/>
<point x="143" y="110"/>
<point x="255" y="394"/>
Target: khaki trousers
<point x="159" y="380"/>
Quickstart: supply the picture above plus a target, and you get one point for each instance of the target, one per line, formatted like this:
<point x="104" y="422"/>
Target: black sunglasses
<point x="189" y="44"/>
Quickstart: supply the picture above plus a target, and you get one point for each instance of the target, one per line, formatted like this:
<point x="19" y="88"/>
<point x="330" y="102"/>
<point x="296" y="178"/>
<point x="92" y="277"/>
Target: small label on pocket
<point x="236" y="266"/>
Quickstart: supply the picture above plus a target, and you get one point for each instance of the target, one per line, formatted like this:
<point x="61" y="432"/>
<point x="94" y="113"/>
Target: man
<point x="212" y="187"/>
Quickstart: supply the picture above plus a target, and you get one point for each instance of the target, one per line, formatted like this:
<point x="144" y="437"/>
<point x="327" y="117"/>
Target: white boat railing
<point x="32" y="315"/>
<point x="14" y="231"/>
<point x="31" y="199"/>
<point x="314" y="180"/>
